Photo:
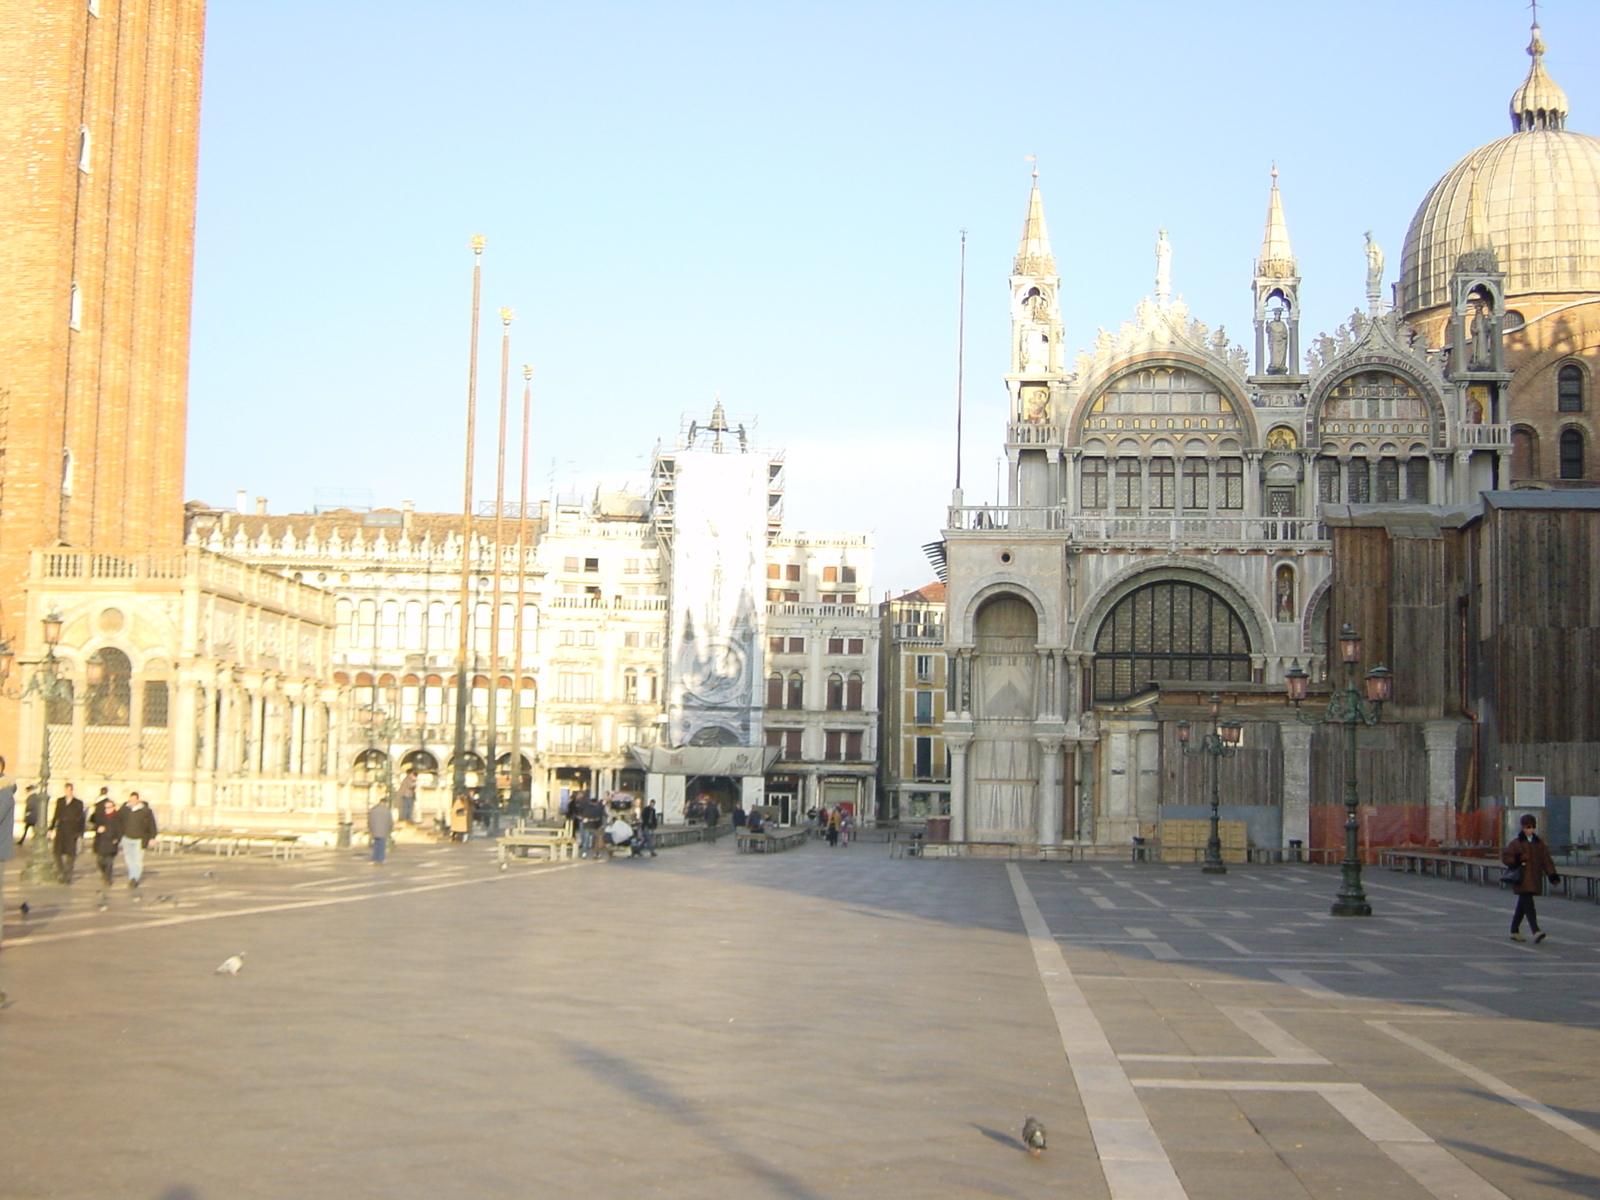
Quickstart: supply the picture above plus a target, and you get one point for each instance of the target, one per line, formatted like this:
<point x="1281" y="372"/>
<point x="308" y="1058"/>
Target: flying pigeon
<point x="231" y="965"/>
<point x="1033" y="1136"/>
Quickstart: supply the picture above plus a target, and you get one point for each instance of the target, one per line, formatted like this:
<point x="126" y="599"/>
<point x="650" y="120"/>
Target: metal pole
<point x="961" y="351"/>
<point x="522" y="578"/>
<point x="493" y="733"/>
<point x="458" y="778"/>
<point x="1214" y="864"/>
<point x="1352" y="899"/>
<point x="41" y="867"/>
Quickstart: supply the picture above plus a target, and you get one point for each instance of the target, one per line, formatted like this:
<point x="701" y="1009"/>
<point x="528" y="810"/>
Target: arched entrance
<point x="1004" y="759"/>
<point x="1169" y="630"/>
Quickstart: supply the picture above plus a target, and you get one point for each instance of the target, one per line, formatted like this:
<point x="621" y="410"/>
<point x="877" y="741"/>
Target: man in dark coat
<point x="1528" y="851"/>
<point x="589" y="839"/>
<point x="68" y="825"/>
<point x="107" y="827"/>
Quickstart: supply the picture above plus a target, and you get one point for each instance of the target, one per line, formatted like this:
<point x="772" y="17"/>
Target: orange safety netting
<point x="1382" y="826"/>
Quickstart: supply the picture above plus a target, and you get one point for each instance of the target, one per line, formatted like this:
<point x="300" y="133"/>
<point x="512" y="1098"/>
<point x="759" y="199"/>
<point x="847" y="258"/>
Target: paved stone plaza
<point x="816" y="1024"/>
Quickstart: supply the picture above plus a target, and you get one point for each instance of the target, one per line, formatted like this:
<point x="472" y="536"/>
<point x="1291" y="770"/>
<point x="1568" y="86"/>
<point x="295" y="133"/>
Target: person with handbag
<point x="1528" y="864"/>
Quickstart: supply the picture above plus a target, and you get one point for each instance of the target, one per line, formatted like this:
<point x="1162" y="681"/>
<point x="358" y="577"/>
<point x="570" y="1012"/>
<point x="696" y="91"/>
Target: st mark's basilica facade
<point x="1166" y="534"/>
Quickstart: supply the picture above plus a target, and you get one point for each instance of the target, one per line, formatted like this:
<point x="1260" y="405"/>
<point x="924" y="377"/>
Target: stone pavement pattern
<point x="816" y="1024"/>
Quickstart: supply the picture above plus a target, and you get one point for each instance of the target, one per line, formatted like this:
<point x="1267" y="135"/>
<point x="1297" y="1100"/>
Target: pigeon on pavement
<point x="25" y="909"/>
<point x="1033" y="1136"/>
<point x="231" y="965"/>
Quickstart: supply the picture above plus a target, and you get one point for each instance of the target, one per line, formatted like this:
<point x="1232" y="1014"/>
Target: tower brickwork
<point x="100" y="137"/>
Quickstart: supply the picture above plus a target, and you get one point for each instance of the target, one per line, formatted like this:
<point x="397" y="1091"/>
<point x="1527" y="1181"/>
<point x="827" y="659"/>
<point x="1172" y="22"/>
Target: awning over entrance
<point x="705" y="760"/>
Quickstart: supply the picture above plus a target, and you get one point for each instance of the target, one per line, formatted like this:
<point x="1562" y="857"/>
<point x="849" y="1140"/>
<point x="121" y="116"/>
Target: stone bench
<point x="771" y="843"/>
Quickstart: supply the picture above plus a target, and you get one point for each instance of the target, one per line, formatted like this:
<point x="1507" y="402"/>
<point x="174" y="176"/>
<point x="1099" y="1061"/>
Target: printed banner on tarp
<point x="705" y="760"/>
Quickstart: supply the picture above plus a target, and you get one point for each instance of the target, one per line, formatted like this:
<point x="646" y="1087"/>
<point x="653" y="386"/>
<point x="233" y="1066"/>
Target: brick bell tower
<point x="98" y="139"/>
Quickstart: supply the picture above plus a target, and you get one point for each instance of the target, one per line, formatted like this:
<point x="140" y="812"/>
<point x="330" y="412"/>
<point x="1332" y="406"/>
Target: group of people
<point x="836" y="824"/>
<point x="112" y="829"/>
<point x="618" y="822"/>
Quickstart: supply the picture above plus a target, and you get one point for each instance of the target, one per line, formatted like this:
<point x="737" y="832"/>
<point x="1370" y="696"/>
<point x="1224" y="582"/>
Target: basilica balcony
<point x="821" y="610"/>
<point x="1291" y="532"/>
<point x="617" y="603"/>
<point x="1484" y="437"/>
<point x="1029" y="433"/>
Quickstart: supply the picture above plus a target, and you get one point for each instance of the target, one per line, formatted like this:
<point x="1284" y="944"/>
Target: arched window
<point x="630" y="685"/>
<point x="775" y="690"/>
<point x="797" y="690"/>
<point x="1169" y="630"/>
<point x="835" y="692"/>
<point x="112" y="701"/>
<point x="852" y="692"/>
<point x="1524" y="453"/>
<point x="1163" y="483"/>
<point x="1092" y="483"/>
<point x="1572" y="454"/>
<point x="1417" y="479"/>
<point x="58" y="703"/>
<point x="1388" y="480"/>
<point x="1359" y="490"/>
<point x="1569" y="388"/>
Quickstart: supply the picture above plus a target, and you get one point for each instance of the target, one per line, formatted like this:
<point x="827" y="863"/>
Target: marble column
<point x="957" y="744"/>
<point x="1296" y="738"/>
<point x="1440" y="739"/>
<point x="1049" y="824"/>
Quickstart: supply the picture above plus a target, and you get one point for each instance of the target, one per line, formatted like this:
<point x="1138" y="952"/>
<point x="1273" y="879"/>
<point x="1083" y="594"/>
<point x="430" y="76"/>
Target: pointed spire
<point x="1477" y="252"/>
<point x="1277" y="259"/>
<point x="1539" y="104"/>
<point x="1033" y="256"/>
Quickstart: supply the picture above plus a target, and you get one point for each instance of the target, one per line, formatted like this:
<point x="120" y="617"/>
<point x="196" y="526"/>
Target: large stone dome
<point x="1533" y="198"/>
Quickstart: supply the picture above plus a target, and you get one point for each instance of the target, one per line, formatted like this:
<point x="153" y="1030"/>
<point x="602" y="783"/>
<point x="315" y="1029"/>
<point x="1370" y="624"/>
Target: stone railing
<point x="1027" y="433"/>
<point x="1484" y="437"/>
<point x="1298" y="531"/>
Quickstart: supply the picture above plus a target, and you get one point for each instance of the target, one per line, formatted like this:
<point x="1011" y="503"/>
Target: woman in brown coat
<point x="1528" y="851"/>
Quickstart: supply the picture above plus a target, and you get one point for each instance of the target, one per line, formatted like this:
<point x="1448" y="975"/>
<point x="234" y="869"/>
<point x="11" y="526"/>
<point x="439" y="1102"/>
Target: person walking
<point x="31" y="820"/>
<point x="138" y="831"/>
<point x="67" y="826"/>
<point x="1528" y="865"/>
<point x="107" y="827"/>
<point x="407" y="795"/>
<point x="738" y="817"/>
<point x="589" y="836"/>
<point x="380" y="827"/>
<point x="648" y="820"/>
<point x="833" y="827"/>
<point x="8" y="818"/>
<point x="461" y="817"/>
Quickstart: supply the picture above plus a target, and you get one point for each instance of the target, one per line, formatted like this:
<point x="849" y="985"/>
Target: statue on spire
<point x="1374" y="276"/>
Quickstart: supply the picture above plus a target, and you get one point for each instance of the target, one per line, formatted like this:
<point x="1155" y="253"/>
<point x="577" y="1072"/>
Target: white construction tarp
<point x="706" y="760"/>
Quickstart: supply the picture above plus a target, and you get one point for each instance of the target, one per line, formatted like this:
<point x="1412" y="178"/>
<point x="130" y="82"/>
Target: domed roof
<point x="1532" y="198"/>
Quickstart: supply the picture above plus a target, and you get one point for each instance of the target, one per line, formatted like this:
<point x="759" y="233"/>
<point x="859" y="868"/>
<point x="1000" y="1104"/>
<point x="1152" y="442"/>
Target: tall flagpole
<point x="506" y="317"/>
<point x="522" y="577"/>
<point x="458" y="776"/>
<point x="961" y="352"/>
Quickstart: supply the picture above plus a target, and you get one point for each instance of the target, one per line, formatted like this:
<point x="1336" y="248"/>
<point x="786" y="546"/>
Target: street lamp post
<point x="1349" y="708"/>
<point x="1222" y="742"/>
<point x="46" y="683"/>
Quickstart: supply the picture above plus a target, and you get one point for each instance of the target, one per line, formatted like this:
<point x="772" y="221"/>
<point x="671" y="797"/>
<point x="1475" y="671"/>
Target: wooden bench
<point x="550" y="844"/>
<point x="771" y="843"/>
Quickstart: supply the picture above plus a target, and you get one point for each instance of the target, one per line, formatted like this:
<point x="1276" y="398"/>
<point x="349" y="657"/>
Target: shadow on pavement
<point x="635" y="1081"/>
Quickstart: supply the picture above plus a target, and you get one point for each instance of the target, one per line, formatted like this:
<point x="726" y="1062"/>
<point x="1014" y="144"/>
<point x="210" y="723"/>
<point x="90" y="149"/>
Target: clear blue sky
<point x="763" y="200"/>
